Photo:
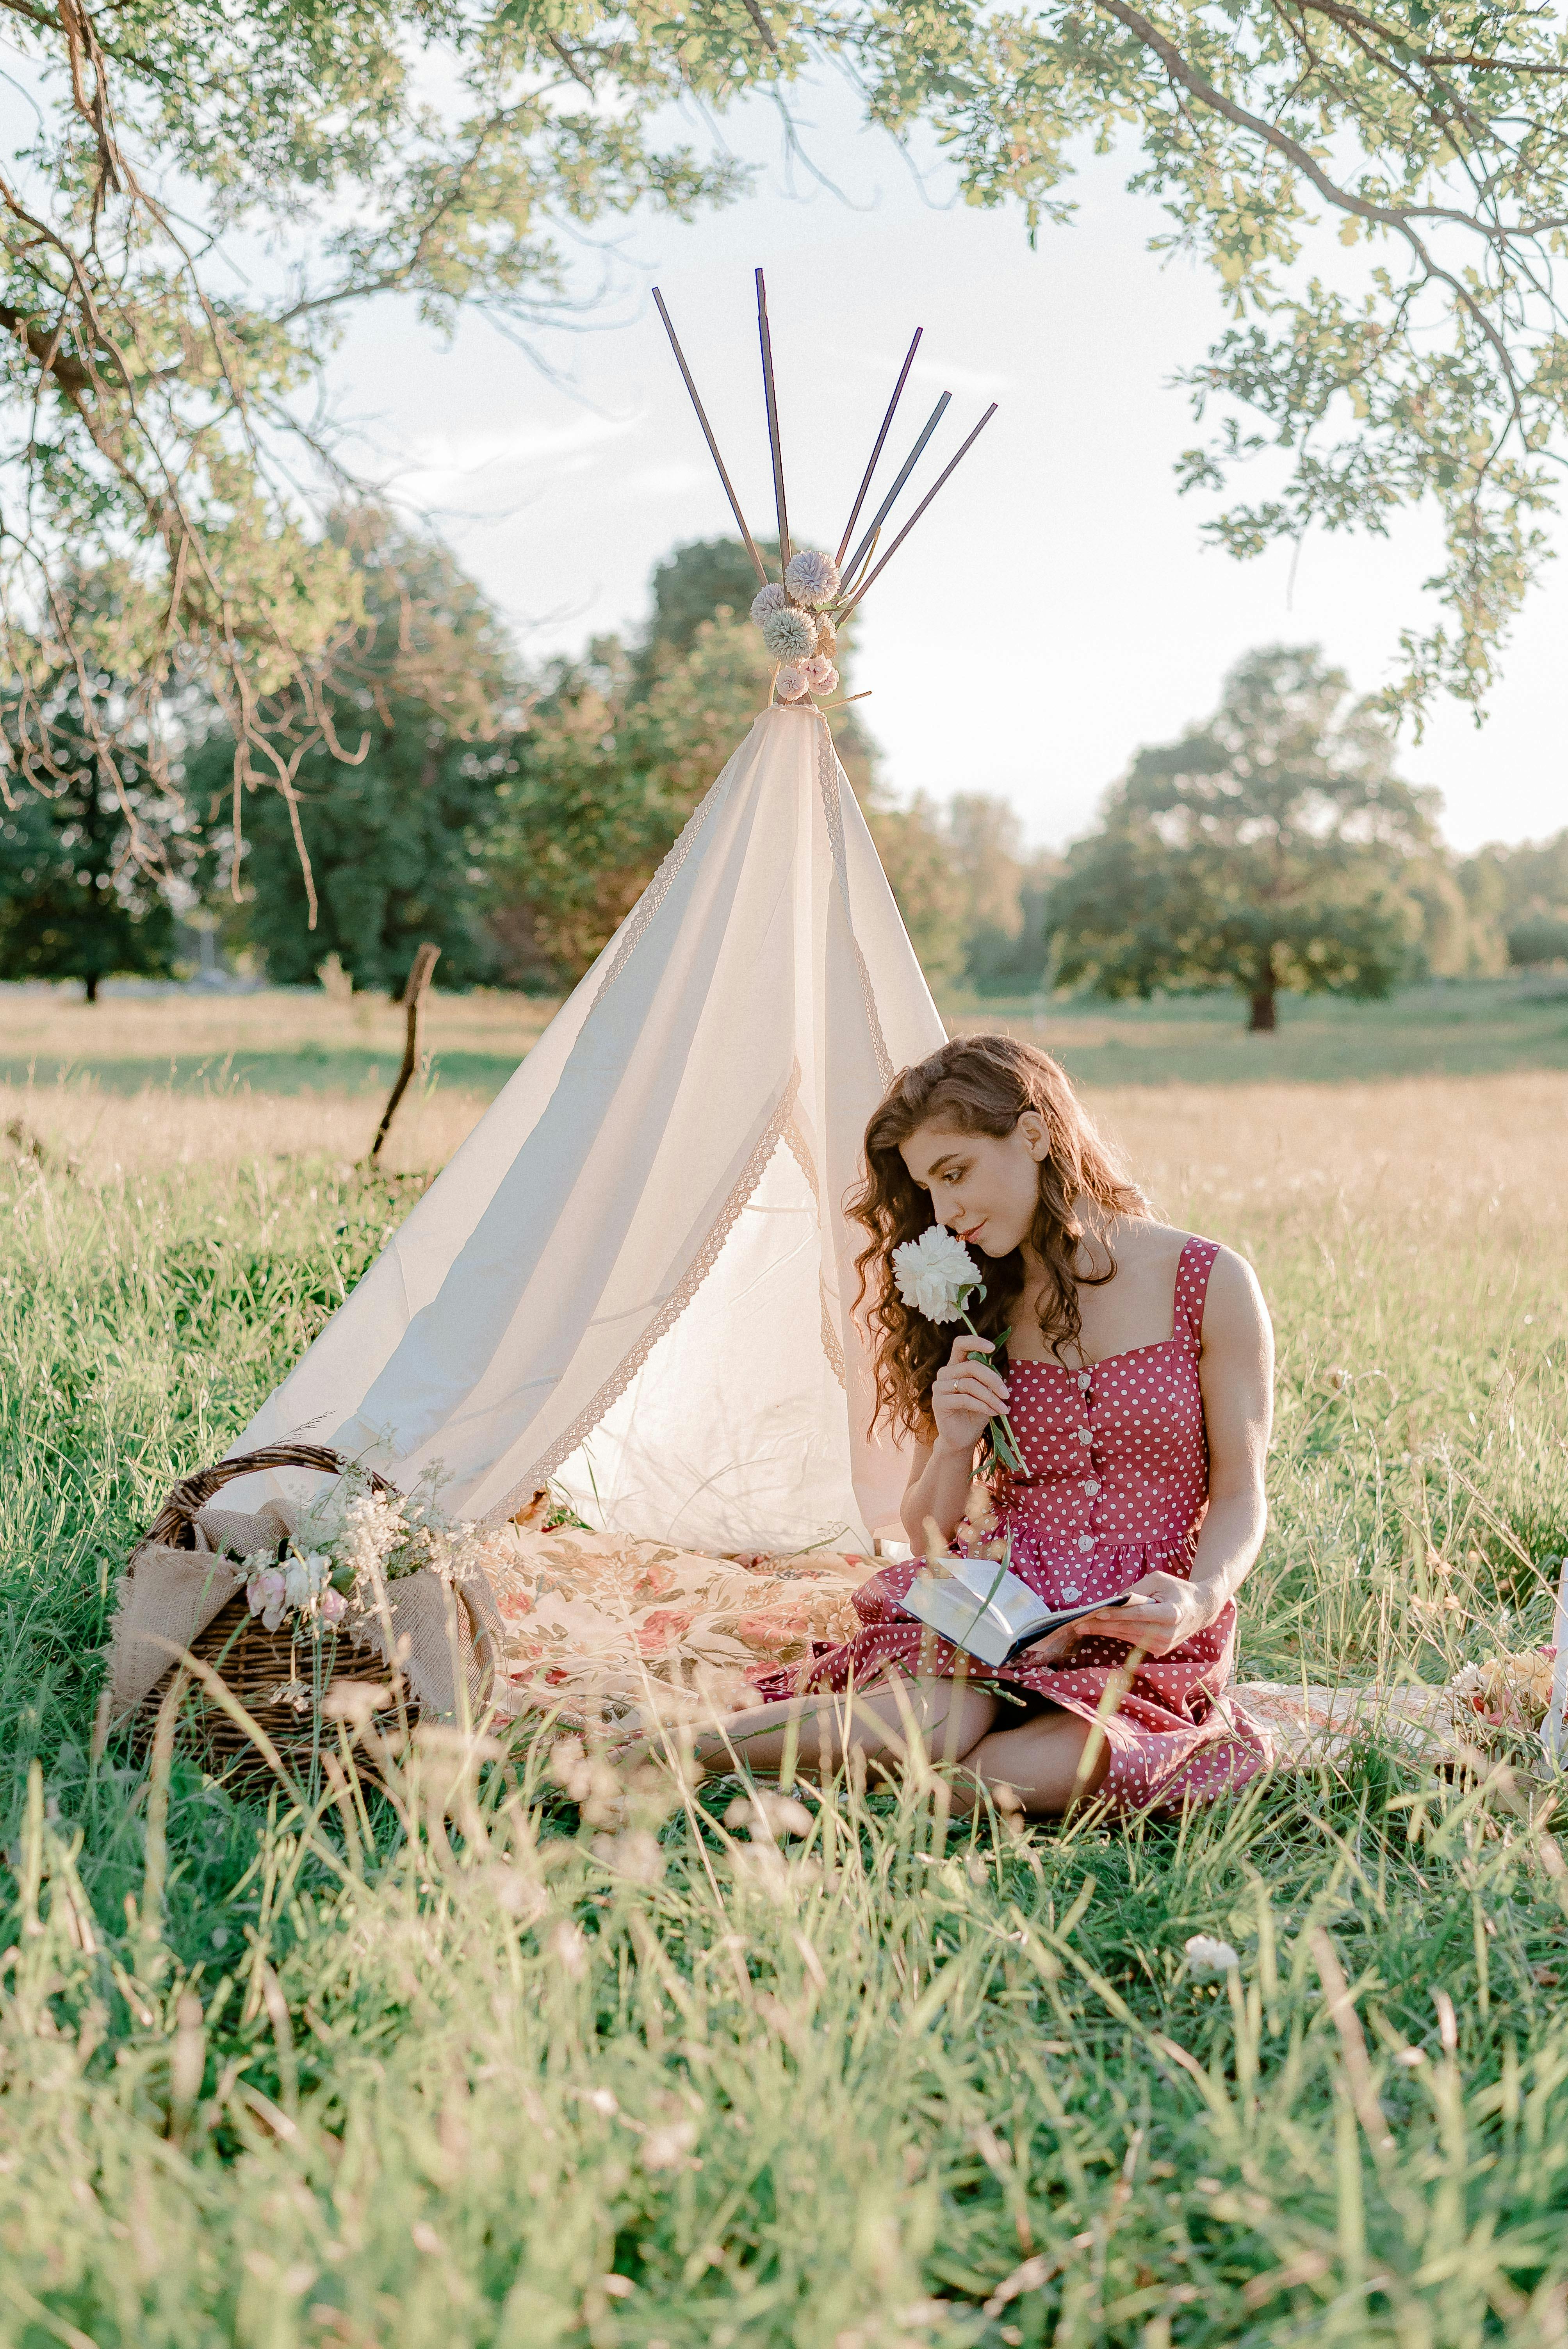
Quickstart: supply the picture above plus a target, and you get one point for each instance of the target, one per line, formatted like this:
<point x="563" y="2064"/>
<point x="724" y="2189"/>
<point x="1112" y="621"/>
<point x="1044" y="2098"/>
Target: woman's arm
<point x="1235" y="1371"/>
<point x="965" y="1395"/>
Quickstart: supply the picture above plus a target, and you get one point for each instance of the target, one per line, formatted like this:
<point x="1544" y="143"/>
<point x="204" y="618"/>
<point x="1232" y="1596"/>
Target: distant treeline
<point x="436" y="789"/>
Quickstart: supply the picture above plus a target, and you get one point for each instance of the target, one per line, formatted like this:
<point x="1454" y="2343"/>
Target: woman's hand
<point x="965" y="1395"/>
<point x="1163" y="1613"/>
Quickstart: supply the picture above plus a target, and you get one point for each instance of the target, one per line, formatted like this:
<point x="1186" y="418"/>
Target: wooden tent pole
<point x="712" y="443"/>
<point x="876" y="452"/>
<point x="840" y="617"/>
<point x="881" y="515"/>
<point x="414" y="994"/>
<point x="771" y="397"/>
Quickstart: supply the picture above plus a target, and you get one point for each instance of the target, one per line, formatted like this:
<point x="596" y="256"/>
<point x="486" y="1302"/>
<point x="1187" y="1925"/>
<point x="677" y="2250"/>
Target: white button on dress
<point x="1086" y="1435"/>
<point x="1085" y="1541"/>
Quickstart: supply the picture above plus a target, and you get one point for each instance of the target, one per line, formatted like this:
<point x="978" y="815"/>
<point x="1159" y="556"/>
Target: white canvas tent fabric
<point x="635" y="1277"/>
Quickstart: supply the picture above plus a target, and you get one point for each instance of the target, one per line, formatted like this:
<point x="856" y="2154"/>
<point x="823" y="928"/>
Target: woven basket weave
<point x="256" y="1665"/>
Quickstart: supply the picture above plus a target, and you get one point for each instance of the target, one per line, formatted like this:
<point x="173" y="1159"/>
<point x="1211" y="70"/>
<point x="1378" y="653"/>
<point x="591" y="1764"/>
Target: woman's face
<point x="985" y="1187"/>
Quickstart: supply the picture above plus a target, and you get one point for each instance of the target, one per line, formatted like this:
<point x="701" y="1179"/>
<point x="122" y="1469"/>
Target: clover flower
<point x="1208" y="1960"/>
<point x="812" y="578"/>
<point x="789" y="635"/>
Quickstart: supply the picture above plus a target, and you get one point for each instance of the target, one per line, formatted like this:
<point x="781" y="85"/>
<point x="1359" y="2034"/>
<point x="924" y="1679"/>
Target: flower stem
<point x="1004" y="1443"/>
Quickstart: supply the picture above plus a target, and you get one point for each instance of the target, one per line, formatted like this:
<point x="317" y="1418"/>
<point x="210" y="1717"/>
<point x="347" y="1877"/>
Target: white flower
<point x="812" y="578"/>
<point x="334" y="1606"/>
<point x="789" y="635"/>
<point x="1208" y="1960"/>
<point x="771" y="599"/>
<point x="935" y="1273"/>
<point x="304" y="1579"/>
<point x="791" y="682"/>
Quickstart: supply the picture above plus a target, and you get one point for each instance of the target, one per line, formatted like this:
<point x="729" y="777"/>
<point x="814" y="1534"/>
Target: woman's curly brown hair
<point x="978" y="1084"/>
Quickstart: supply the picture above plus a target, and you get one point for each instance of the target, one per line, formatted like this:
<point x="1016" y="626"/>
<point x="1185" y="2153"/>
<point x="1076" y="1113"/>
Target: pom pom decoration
<point x="812" y="578"/>
<point x="791" y="682"/>
<point x="788" y="634"/>
<point x="824" y="677"/>
<point x="771" y="599"/>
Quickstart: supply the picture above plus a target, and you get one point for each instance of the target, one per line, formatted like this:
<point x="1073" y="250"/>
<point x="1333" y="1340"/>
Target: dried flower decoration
<point x="788" y="634"/>
<point x="824" y="677"/>
<point x="350" y="1542"/>
<point x="827" y="635"/>
<point x="791" y="682"/>
<point x="812" y="578"/>
<point x="771" y="599"/>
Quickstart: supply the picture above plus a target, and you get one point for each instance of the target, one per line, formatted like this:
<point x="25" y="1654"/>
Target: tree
<point x="1524" y="891"/>
<point x="164" y="405"/>
<point x="93" y="855"/>
<point x="619" y="747"/>
<point x="372" y="840"/>
<point x="1271" y="849"/>
<point x="932" y="892"/>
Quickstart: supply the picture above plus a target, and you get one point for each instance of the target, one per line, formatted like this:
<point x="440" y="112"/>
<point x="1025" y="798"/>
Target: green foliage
<point x="452" y="2075"/>
<point x="1524" y="893"/>
<point x="617" y="752"/>
<point x="89" y="856"/>
<point x="1264" y="851"/>
<point x="391" y="769"/>
<point x="408" y="149"/>
<point x="452" y="156"/>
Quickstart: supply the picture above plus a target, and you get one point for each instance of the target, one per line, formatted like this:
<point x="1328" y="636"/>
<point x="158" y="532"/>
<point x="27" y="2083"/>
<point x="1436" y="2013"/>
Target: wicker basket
<point x="258" y="1666"/>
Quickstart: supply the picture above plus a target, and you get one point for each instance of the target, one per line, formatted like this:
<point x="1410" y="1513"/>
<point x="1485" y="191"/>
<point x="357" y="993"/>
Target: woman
<point x="1137" y="1383"/>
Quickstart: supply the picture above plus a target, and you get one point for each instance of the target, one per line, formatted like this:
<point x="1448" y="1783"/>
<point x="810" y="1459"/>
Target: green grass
<point x="439" y="2073"/>
<point x="292" y="1041"/>
<point x="1451" y="1028"/>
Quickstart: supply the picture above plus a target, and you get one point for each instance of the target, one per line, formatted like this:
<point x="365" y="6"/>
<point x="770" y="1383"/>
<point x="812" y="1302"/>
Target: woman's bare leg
<point x="950" y="1716"/>
<point x="1042" y="1760"/>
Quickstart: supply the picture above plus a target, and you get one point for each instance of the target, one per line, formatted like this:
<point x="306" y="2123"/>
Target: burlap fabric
<point x="444" y="1638"/>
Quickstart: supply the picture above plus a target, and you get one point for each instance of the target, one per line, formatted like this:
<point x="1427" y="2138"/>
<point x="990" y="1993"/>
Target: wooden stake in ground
<point x="414" y="994"/>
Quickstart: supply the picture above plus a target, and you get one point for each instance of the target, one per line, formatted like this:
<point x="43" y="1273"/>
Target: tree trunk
<point x="90" y="983"/>
<point x="1262" y="1023"/>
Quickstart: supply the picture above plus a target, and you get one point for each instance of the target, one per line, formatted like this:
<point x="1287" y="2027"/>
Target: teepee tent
<point x="636" y="1280"/>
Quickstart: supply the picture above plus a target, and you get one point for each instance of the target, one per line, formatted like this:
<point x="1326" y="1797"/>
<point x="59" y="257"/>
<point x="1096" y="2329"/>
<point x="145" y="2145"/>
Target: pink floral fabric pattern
<point x="1117" y="1486"/>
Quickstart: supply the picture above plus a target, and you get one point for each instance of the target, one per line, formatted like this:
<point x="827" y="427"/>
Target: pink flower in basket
<point x="334" y="1606"/>
<point x="267" y="1594"/>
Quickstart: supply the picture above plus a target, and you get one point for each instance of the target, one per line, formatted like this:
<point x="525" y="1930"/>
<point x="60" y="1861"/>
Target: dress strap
<point x="1192" y="1272"/>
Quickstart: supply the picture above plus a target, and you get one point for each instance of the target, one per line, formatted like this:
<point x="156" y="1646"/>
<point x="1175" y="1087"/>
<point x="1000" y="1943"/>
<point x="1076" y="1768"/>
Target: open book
<point x="984" y="1608"/>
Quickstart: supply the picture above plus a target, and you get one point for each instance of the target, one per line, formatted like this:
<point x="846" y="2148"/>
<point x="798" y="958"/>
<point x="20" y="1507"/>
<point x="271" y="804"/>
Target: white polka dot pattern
<point x="1138" y="1416"/>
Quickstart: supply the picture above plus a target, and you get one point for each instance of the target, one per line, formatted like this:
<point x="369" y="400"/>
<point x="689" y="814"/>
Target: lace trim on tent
<point x="828" y="774"/>
<point x="659" y="887"/>
<point x="664" y="1319"/>
<point x="800" y="1150"/>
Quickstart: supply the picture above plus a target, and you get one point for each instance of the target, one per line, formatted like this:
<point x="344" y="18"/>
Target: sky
<point x="1058" y="607"/>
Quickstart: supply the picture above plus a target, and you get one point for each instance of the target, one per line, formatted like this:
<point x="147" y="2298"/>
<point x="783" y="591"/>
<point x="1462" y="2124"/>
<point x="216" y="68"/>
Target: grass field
<point x="434" y="2073"/>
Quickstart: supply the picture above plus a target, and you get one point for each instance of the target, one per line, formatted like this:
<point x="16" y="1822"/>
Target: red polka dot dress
<point x="1116" y="1485"/>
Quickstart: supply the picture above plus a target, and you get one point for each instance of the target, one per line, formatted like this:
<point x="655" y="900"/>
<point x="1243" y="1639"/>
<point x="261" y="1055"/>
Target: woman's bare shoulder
<point x="1234" y="1305"/>
<point x="1138" y="1239"/>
